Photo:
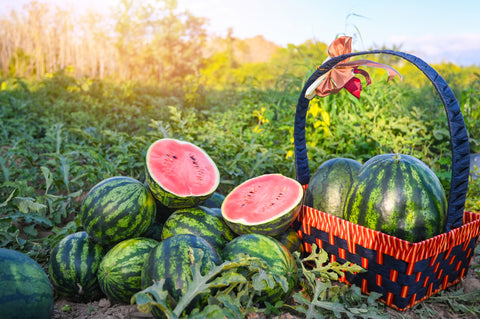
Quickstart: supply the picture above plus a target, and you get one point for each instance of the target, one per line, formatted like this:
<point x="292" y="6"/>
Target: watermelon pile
<point x="396" y="194"/>
<point x="135" y="233"/>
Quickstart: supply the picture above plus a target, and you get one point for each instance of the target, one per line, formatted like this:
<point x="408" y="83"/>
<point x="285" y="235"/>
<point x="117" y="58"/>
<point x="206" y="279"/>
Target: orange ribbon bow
<point x="343" y="74"/>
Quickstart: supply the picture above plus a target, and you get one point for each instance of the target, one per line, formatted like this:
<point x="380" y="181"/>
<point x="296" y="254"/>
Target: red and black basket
<point x="403" y="273"/>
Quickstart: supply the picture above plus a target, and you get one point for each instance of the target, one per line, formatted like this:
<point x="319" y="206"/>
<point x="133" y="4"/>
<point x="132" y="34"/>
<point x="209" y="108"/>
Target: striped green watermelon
<point x="330" y="184"/>
<point x="278" y="258"/>
<point x="200" y="222"/>
<point x="119" y="273"/>
<point x="214" y="201"/>
<point x="116" y="209"/>
<point x="25" y="290"/>
<point x="290" y="239"/>
<point x="266" y="204"/>
<point x="171" y="260"/>
<point x="73" y="266"/>
<point x="180" y="174"/>
<point x="398" y="195"/>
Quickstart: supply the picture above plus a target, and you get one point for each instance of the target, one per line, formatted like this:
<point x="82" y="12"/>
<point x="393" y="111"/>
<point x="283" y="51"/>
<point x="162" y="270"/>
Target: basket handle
<point x="458" y="133"/>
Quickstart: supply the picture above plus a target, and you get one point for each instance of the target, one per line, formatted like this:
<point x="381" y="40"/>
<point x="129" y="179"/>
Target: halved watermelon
<point x="180" y="174"/>
<point x="266" y="205"/>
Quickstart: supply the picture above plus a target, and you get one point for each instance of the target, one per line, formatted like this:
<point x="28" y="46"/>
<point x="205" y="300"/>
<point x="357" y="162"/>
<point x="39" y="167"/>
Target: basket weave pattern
<point x="403" y="273"/>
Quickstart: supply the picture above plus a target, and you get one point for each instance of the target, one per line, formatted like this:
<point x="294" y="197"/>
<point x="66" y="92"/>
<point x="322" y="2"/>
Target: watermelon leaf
<point x="154" y="296"/>
<point x="223" y="275"/>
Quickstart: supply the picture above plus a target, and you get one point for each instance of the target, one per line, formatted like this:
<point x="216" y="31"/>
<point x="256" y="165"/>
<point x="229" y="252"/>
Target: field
<point x="68" y="122"/>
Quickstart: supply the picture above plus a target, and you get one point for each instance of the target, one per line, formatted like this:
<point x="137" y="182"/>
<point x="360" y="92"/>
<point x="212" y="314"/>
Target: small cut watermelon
<point x="266" y="205"/>
<point x="180" y="174"/>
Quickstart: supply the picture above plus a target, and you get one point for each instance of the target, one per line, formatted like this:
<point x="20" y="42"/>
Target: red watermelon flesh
<point x="182" y="168"/>
<point x="266" y="204"/>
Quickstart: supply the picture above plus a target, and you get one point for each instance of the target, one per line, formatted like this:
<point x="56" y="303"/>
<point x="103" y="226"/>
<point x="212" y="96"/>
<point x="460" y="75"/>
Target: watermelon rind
<point x="198" y="221"/>
<point x="277" y="257"/>
<point x="174" y="200"/>
<point x="273" y="188"/>
<point x="398" y="195"/>
<point x="73" y="267"/>
<point x="25" y="290"/>
<point x="290" y="239"/>
<point x="171" y="260"/>
<point x="116" y="209"/>
<point x="330" y="184"/>
<point x="119" y="273"/>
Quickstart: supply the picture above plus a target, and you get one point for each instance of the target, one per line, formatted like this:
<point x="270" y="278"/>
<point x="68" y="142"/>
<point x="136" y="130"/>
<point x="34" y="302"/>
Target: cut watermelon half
<point x="180" y="174"/>
<point x="266" y="205"/>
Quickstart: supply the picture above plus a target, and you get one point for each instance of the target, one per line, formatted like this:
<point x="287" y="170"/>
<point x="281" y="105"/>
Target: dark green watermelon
<point x="171" y="260"/>
<point x="330" y="184"/>
<point x="73" y="266"/>
<point x="200" y="222"/>
<point x="214" y="201"/>
<point x="398" y="195"/>
<point x="290" y="239"/>
<point x="116" y="209"/>
<point x="25" y="290"/>
<point x="278" y="258"/>
<point x="119" y="273"/>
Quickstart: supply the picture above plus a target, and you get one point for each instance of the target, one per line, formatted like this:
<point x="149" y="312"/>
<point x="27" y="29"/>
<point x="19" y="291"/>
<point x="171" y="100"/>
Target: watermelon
<point x="200" y="222"/>
<point x="330" y="184"/>
<point x="398" y="195"/>
<point x="119" y="273"/>
<point x="25" y="290"/>
<point x="154" y="231"/>
<point x="116" y="209"/>
<point x="214" y="201"/>
<point x="277" y="257"/>
<point x="73" y="266"/>
<point x="180" y="174"/>
<point x="290" y="239"/>
<point x="171" y="260"/>
<point x="162" y="211"/>
<point x="266" y="204"/>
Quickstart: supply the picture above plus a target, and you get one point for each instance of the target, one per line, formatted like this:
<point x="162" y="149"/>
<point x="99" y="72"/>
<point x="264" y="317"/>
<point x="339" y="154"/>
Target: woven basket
<point x="403" y="273"/>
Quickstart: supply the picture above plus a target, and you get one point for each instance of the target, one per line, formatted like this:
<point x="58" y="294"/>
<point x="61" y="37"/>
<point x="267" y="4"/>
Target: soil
<point x="104" y="309"/>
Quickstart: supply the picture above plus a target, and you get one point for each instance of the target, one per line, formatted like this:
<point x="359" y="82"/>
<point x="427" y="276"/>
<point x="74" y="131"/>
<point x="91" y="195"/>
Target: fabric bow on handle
<point x="343" y="74"/>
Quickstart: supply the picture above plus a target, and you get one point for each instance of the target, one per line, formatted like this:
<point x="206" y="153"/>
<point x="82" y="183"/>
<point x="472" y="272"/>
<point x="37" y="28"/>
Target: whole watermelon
<point x="25" y="290"/>
<point x="171" y="260"/>
<point x="398" y="195"/>
<point x="116" y="209"/>
<point x="200" y="222"/>
<point x="330" y="184"/>
<point x="73" y="266"/>
<point x="278" y="258"/>
<point x="119" y="273"/>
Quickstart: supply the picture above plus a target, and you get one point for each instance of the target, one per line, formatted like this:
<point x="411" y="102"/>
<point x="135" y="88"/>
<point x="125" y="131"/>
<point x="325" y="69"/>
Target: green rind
<point x="197" y="221"/>
<point x="330" y="184"/>
<point x="398" y="195"/>
<point x="171" y="200"/>
<point x="25" y="290"/>
<point x="272" y="228"/>
<point x="278" y="258"/>
<point x="116" y="209"/>
<point x="73" y="266"/>
<point x="171" y="260"/>
<point x="119" y="273"/>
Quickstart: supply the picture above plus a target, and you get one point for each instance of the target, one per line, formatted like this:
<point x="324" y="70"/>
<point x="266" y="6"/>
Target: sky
<point x="436" y="31"/>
